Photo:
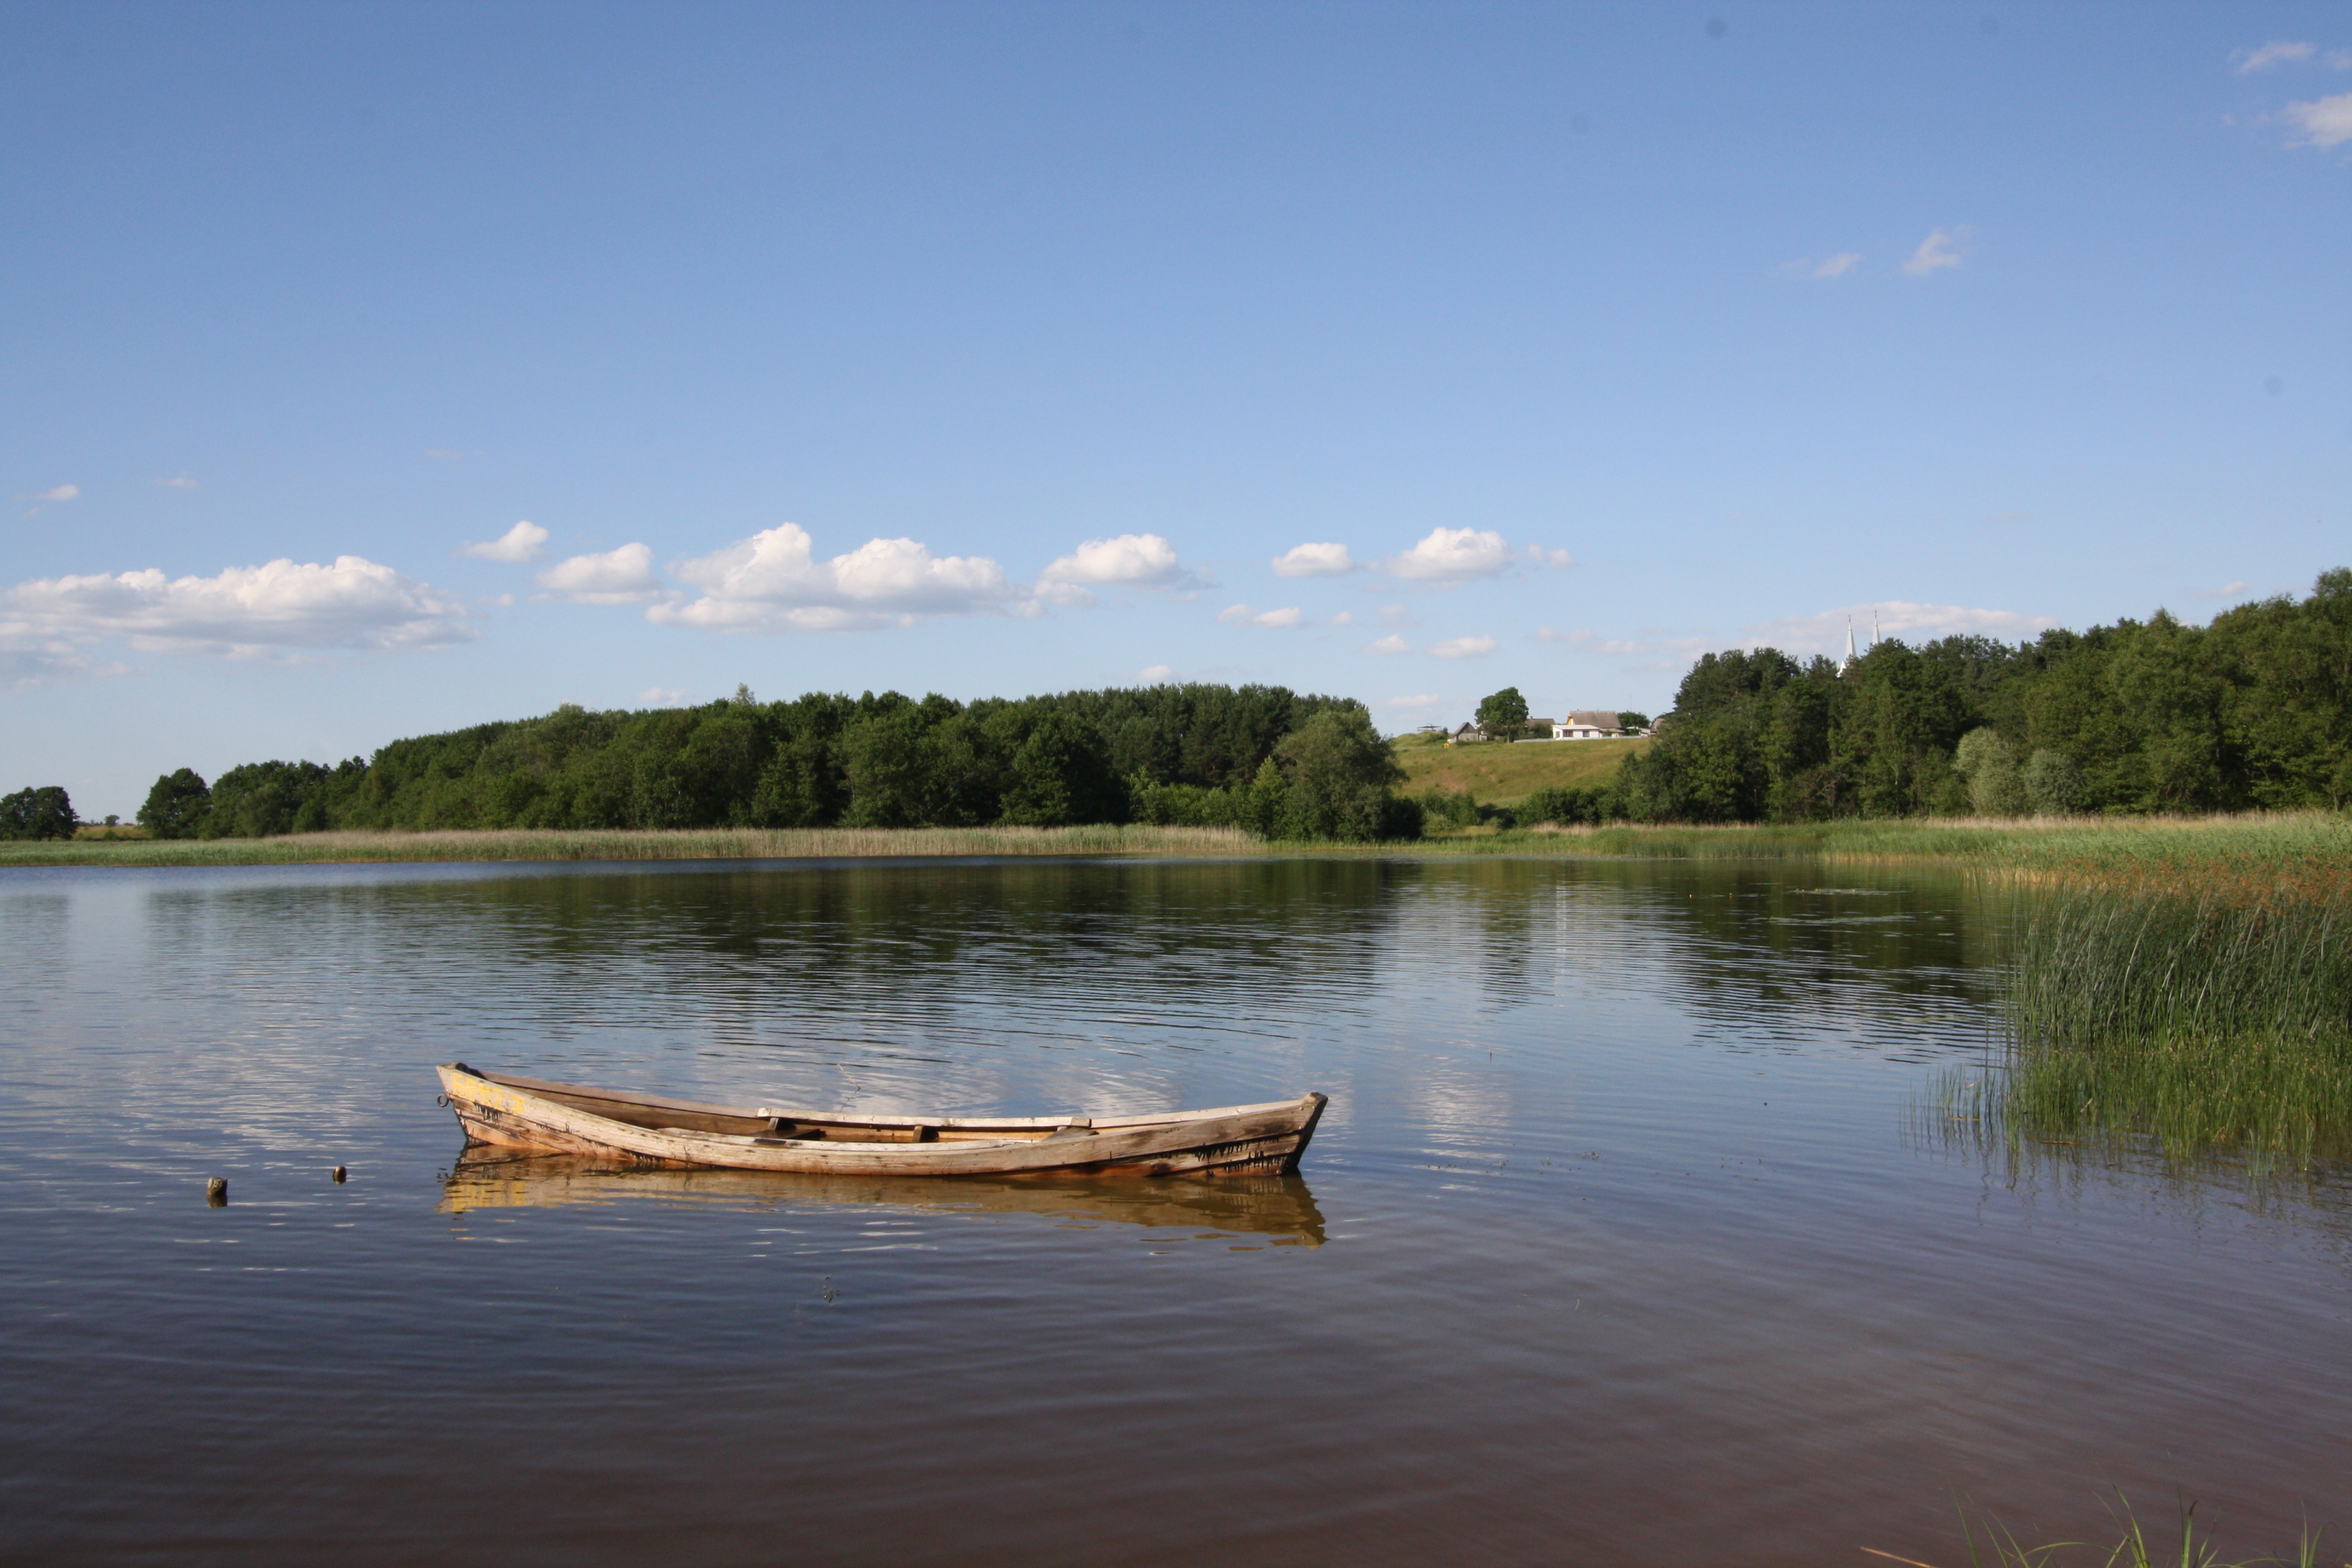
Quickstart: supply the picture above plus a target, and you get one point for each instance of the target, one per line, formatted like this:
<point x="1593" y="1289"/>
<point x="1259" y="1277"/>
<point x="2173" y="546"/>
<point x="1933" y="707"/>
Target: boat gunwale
<point x="857" y="1119"/>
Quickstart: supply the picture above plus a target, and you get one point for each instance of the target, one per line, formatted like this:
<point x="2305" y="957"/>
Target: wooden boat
<point x="1280" y="1209"/>
<point x="648" y="1129"/>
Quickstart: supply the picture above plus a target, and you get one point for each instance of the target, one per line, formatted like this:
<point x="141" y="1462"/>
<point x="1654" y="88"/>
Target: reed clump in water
<point x="2218" y="1020"/>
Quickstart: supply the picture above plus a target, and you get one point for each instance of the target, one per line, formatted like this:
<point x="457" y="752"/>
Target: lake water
<point x="1625" y="1238"/>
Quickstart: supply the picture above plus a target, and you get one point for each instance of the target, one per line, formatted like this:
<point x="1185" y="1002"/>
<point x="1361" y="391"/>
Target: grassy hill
<point x="1497" y="774"/>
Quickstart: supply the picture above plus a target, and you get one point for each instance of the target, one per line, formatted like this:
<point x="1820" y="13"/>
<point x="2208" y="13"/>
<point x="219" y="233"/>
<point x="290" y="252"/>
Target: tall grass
<point x="2201" y="1022"/>
<point x="2000" y="1548"/>
<point x="683" y="844"/>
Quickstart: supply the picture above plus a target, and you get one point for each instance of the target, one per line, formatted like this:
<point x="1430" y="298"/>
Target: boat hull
<point x="559" y="1118"/>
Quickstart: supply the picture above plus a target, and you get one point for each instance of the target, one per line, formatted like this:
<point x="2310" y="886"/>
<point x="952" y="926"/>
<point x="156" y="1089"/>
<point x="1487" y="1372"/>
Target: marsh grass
<point x="2217" y="1024"/>
<point x="2299" y="854"/>
<point x="2000" y="1548"/>
<point x="683" y="844"/>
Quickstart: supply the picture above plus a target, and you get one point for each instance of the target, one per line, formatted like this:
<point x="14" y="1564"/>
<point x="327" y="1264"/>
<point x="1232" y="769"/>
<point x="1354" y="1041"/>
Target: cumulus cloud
<point x="1837" y="265"/>
<point x="2269" y="55"/>
<point x="1825" y="632"/>
<point x="623" y="576"/>
<point x="1557" y="560"/>
<point x="1390" y="644"/>
<point x="662" y="697"/>
<point x="178" y="482"/>
<point x="50" y="496"/>
<point x="1155" y="674"/>
<point x="1448" y="555"/>
<point x="2322" y="121"/>
<point x="1344" y="618"/>
<point x="1939" y="251"/>
<point x="772" y="581"/>
<point x="1130" y="560"/>
<point x="1464" y="647"/>
<point x="1314" y="561"/>
<point x="1243" y="615"/>
<point x="280" y="609"/>
<point x="524" y="541"/>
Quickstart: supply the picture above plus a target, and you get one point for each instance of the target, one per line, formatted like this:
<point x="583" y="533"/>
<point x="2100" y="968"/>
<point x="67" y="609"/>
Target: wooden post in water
<point x="339" y="1175"/>
<point x="216" y="1193"/>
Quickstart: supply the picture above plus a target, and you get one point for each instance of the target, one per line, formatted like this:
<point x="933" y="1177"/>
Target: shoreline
<point x="2304" y="850"/>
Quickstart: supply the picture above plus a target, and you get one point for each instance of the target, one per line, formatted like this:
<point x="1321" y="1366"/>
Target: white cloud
<point x="1155" y="674"/>
<point x="60" y="493"/>
<point x="1344" y="618"/>
<point x="1837" y="265"/>
<point x="2226" y="590"/>
<point x="662" y="697"/>
<point x="1390" y="644"/>
<point x="1464" y="647"/>
<point x="179" y="482"/>
<point x="1243" y="615"/>
<point x="243" y="612"/>
<point x="1453" y="555"/>
<point x="2324" y="122"/>
<point x="1314" y="561"/>
<point x="1936" y="252"/>
<point x="1557" y="560"/>
<point x="523" y="542"/>
<point x="2271" y="55"/>
<point x="1397" y="615"/>
<point x="1825" y="632"/>
<point x="623" y="576"/>
<point x="1130" y="560"/>
<point x="772" y="581"/>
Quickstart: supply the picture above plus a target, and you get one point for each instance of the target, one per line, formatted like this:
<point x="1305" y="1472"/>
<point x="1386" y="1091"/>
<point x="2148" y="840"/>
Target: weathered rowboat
<point x="649" y="1129"/>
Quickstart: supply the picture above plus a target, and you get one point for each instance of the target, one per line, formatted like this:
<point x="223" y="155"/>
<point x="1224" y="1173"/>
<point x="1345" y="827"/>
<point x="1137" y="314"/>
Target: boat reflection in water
<point x="1280" y="1207"/>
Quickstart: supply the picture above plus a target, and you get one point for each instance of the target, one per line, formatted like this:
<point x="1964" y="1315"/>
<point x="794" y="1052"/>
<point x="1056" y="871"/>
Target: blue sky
<point x="998" y="349"/>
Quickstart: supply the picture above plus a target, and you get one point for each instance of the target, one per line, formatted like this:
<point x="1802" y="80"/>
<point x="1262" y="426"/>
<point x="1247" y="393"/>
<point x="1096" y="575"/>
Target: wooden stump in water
<point x="216" y="1192"/>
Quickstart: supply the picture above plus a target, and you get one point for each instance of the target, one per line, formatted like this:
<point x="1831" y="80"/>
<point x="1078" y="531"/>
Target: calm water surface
<point x="1624" y="1239"/>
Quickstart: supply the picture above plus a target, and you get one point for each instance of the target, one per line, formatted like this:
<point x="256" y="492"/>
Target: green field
<point x="1500" y="774"/>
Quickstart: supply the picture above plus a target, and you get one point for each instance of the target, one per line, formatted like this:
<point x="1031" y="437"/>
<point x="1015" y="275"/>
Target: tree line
<point x="1280" y="763"/>
<point x="2252" y="711"/>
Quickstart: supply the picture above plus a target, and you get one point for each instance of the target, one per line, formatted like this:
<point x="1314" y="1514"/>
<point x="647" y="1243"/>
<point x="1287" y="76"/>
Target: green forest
<point x="2252" y="712"/>
<point x="1259" y="757"/>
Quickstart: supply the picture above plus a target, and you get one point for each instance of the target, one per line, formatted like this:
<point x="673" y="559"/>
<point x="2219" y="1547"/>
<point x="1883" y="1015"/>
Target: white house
<point x="1587" y="724"/>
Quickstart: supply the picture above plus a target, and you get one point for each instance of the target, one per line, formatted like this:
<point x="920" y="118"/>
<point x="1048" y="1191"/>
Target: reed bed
<point x="2200" y="1025"/>
<point x="682" y="844"/>
<point x="2302" y="853"/>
